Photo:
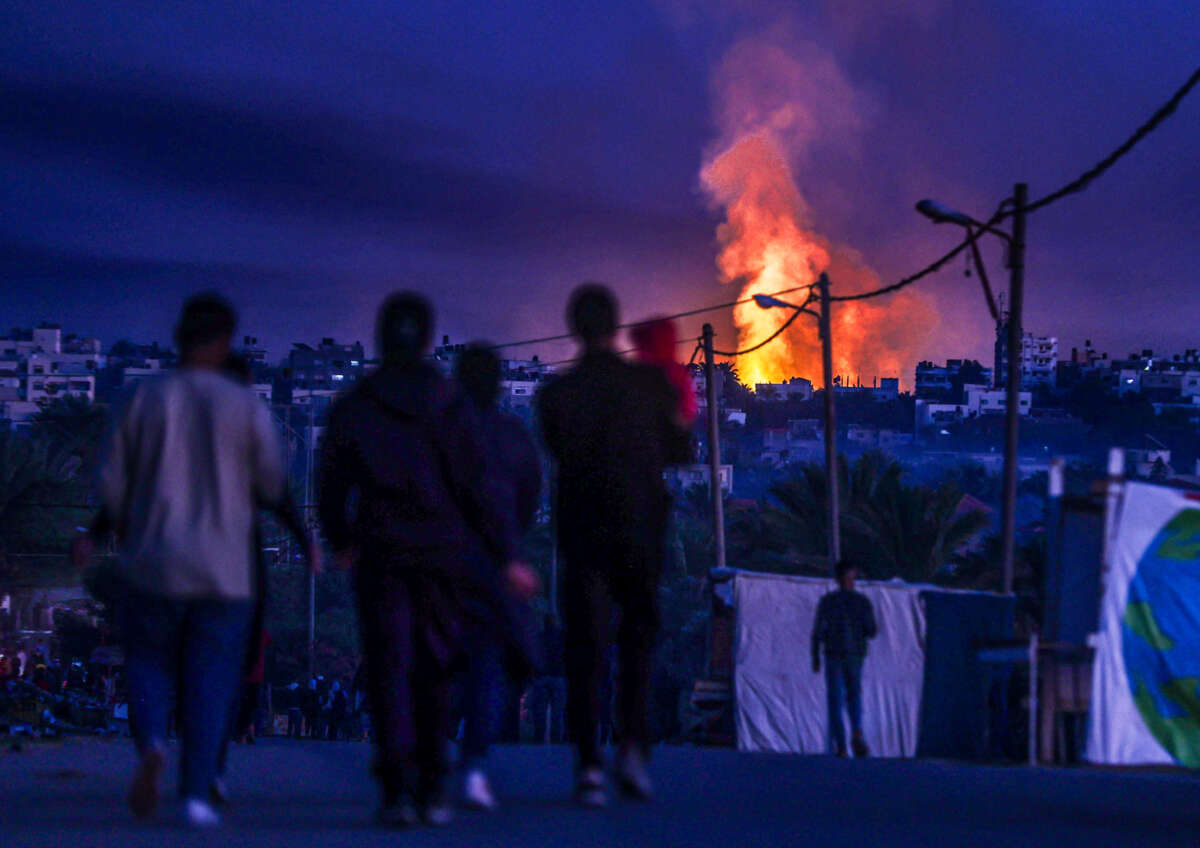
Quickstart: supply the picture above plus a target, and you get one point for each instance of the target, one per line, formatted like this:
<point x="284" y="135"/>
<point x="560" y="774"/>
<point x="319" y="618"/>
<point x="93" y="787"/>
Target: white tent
<point x="780" y="702"/>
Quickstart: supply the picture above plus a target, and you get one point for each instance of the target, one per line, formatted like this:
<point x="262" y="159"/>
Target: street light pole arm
<point x="983" y="278"/>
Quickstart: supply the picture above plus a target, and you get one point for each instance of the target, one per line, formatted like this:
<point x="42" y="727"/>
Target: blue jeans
<point x="843" y="686"/>
<point x="484" y="690"/>
<point x="198" y="646"/>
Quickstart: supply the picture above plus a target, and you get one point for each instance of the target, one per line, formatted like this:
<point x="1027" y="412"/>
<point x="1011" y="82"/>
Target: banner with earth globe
<point x="1146" y="686"/>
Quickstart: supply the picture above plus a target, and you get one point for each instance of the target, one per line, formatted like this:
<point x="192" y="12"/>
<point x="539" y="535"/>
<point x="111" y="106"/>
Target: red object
<point x="655" y="344"/>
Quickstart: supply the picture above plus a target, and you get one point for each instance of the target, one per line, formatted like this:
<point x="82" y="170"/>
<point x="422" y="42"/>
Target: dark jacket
<point x="407" y="444"/>
<point x="845" y="621"/>
<point x="515" y="464"/>
<point x="611" y="426"/>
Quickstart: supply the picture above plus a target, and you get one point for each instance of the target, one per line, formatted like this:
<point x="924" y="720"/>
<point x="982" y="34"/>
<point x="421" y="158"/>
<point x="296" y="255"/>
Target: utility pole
<point x="554" y="543"/>
<point x="714" y="448"/>
<point x="831" y="466"/>
<point x="312" y="576"/>
<point x="1012" y="396"/>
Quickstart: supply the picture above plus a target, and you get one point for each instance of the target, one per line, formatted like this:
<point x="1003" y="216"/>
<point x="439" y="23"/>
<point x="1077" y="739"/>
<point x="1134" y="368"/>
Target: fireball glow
<point x="769" y="102"/>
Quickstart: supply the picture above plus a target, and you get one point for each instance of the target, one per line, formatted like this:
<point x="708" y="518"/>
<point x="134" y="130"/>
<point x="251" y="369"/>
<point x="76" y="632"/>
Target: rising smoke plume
<point x="776" y="102"/>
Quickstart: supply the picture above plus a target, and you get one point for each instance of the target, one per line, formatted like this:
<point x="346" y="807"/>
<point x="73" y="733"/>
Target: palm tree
<point x="890" y="528"/>
<point x="32" y="480"/>
<point x="912" y="532"/>
<point x="73" y="427"/>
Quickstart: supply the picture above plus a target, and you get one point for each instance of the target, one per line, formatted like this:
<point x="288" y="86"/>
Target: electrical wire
<point x="732" y="353"/>
<point x="687" y="314"/>
<point x="973" y="235"/>
<point x="1077" y="185"/>
<point x="1085" y="179"/>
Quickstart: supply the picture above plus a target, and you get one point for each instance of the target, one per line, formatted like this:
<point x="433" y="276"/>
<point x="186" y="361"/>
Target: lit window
<point x="337" y="377"/>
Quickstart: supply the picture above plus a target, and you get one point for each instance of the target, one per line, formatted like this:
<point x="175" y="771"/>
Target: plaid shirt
<point x="845" y="621"/>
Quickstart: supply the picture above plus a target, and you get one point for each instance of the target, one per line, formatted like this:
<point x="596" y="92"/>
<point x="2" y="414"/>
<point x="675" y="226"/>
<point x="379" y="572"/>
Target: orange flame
<point x="767" y="244"/>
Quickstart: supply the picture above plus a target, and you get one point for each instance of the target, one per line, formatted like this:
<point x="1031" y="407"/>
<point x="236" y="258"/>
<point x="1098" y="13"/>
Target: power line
<point x="974" y="235"/>
<point x="731" y="353"/>
<point x="1077" y="185"/>
<point x="687" y="314"/>
<point x="1086" y="178"/>
<point x="679" y="342"/>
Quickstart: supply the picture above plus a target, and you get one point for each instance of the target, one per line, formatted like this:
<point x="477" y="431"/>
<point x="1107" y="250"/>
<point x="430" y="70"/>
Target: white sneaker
<point x="200" y="814"/>
<point x="590" y="788"/>
<point x="632" y="777"/>
<point x="477" y="791"/>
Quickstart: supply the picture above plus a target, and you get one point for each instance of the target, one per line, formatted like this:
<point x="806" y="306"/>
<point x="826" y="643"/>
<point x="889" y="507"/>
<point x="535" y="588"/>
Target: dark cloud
<point x="321" y="165"/>
<point x="309" y="157"/>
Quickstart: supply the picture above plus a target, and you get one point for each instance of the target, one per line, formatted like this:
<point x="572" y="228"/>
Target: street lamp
<point x="941" y="214"/>
<point x="766" y="301"/>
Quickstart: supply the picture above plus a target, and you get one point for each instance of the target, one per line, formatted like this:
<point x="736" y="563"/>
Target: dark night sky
<point x="307" y="158"/>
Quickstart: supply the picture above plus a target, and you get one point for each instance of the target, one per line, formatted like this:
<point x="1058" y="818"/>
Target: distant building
<point x="945" y="382"/>
<point x="1039" y="359"/>
<point x="40" y="365"/>
<point x="254" y="352"/>
<point x="514" y="393"/>
<point x="978" y="400"/>
<point x="881" y="389"/>
<point x="866" y="438"/>
<point x="328" y="366"/>
<point x="45" y="338"/>
<point x="802" y="439"/>
<point x="69" y="382"/>
<point x="519" y="378"/>
<point x="795" y="389"/>
<point x="683" y="477"/>
<point x="146" y="368"/>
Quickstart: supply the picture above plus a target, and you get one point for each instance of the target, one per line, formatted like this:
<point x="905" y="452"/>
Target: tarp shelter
<point x="922" y="689"/>
<point x="1146" y="680"/>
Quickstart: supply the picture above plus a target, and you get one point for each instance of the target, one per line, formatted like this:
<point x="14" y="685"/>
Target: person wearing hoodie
<point x="406" y="500"/>
<point x="504" y="631"/>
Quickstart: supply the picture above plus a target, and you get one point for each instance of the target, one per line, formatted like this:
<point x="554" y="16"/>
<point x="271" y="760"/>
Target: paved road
<point x="311" y="793"/>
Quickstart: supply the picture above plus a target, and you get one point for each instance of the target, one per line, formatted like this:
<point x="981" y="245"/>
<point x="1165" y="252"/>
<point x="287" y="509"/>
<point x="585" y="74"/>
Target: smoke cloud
<point x="778" y="101"/>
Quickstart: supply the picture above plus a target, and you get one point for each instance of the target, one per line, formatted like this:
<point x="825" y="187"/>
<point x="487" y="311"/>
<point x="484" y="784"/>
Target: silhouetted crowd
<point x="426" y="489"/>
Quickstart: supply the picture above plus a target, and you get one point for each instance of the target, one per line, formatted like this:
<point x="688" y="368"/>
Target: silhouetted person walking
<point x="845" y="621"/>
<point x="187" y="464"/>
<point x="405" y="497"/>
<point x="611" y="426"/>
<point x="245" y="708"/>
<point x="548" y="697"/>
<point x="499" y="626"/>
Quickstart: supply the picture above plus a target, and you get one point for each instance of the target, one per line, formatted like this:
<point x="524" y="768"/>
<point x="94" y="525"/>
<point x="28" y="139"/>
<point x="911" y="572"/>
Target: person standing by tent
<point x="845" y="621"/>
<point x="612" y="427"/>
<point x="406" y="501"/>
